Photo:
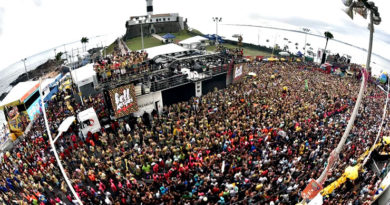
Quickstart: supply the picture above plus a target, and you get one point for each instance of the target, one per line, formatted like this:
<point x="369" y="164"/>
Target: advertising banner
<point x="17" y="121"/>
<point x="123" y="100"/>
<point x="147" y="103"/>
<point x="34" y="110"/>
<point x="311" y="190"/>
<point x="238" y="72"/>
<point x="4" y="134"/>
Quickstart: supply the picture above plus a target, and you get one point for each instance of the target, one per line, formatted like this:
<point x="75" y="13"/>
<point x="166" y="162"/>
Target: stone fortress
<point x="154" y="23"/>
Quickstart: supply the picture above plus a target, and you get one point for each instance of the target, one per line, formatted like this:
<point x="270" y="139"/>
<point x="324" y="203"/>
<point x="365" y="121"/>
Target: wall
<point x="218" y="81"/>
<point x="178" y="94"/>
<point x="146" y="103"/>
<point x="133" y="31"/>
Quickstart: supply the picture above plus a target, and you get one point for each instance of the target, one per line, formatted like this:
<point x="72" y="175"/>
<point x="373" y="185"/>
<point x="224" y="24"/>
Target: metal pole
<point x="25" y="68"/>
<point x="69" y="183"/>
<point x="216" y="31"/>
<point x="371" y="26"/>
<point x="142" y="36"/>
<point x="304" y="52"/>
<point x="340" y="146"/>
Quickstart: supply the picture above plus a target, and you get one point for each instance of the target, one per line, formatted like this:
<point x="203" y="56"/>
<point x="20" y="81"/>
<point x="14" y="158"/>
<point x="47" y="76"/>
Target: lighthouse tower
<point x="149" y="7"/>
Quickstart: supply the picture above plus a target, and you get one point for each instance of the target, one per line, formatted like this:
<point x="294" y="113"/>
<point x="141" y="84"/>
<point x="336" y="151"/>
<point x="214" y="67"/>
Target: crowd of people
<point x="259" y="141"/>
<point x="116" y="66"/>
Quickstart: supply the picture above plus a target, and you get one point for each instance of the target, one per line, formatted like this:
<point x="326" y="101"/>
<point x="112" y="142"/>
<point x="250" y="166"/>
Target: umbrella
<point x="169" y="36"/>
<point x="284" y="53"/>
<point x="272" y="59"/>
<point x="252" y="74"/>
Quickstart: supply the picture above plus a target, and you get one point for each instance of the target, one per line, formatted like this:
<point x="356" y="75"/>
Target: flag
<point x="306" y="85"/>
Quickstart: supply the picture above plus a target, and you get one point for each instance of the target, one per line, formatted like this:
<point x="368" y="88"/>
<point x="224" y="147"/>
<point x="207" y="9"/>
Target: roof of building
<point x="19" y="93"/>
<point x="195" y="39"/>
<point x="164" y="49"/>
<point x="83" y="75"/>
<point x="160" y="15"/>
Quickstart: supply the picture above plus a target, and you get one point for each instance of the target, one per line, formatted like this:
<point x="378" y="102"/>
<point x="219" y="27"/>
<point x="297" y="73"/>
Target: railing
<point x="169" y="82"/>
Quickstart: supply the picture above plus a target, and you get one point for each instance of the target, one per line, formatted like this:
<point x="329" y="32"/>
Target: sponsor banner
<point x="4" y="134"/>
<point x="238" y="72"/>
<point x="311" y="190"/>
<point x="147" y="103"/>
<point x="34" y="110"/>
<point x="123" y="100"/>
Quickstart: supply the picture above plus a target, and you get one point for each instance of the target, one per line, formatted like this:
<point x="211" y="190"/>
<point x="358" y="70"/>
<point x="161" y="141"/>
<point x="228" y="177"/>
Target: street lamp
<point x="306" y="30"/>
<point x="142" y="21"/>
<point x="62" y="128"/>
<point x="217" y="20"/>
<point x="25" y="68"/>
<point x="361" y="6"/>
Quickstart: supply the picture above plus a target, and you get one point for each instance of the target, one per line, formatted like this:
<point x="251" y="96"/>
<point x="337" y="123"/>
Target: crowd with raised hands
<point x="117" y="66"/>
<point x="259" y="141"/>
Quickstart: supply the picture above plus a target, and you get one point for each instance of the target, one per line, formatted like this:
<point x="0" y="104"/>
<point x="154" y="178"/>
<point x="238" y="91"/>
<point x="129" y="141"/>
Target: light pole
<point x="25" y="68"/>
<point x="306" y="30"/>
<point x="217" y="20"/>
<point x="361" y="6"/>
<point x="141" y="20"/>
<point x="60" y="131"/>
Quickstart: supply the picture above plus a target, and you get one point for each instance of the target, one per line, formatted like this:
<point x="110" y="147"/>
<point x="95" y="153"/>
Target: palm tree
<point x="59" y="56"/>
<point x="328" y="35"/>
<point x="84" y="41"/>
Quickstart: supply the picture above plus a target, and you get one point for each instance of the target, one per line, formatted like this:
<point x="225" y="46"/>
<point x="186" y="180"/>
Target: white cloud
<point x="30" y="26"/>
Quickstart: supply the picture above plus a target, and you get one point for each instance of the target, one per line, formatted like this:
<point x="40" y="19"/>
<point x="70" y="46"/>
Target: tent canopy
<point x="169" y="36"/>
<point x="84" y="75"/>
<point x="19" y="93"/>
<point x="195" y="39"/>
<point x="66" y="124"/>
<point x="164" y="49"/>
<point x="284" y="53"/>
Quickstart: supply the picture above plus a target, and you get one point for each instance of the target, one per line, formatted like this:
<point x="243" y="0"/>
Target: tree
<point x="84" y="41"/>
<point x="328" y="35"/>
<point x="58" y="56"/>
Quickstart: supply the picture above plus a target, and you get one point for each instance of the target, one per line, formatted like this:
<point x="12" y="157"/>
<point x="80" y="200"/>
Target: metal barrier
<point x="170" y="82"/>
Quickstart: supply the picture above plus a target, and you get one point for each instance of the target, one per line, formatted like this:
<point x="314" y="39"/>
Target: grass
<point x="149" y="41"/>
<point x="181" y="35"/>
<point x="247" y="51"/>
<point x="136" y="43"/>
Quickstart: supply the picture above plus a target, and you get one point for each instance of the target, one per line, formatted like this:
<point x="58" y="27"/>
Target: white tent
<point x="19" y="93"/>
<point x="164" y="49"/>
<point x="193" y="42"/>
<point x="64" y="126"/>
<point x="284" y="53"/>
<point x="84" y="75"/>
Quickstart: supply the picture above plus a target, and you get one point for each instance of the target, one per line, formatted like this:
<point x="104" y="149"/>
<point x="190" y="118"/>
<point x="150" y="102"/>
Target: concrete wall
<point x="133" y="31"/>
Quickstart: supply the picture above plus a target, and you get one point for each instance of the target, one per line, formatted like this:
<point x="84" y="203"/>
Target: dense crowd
<point x="116" y="66"/>
<point x="257" y="142"/>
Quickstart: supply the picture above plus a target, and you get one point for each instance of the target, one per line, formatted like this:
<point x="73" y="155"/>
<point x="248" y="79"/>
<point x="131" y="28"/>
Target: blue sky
<point x="30" y="26"/>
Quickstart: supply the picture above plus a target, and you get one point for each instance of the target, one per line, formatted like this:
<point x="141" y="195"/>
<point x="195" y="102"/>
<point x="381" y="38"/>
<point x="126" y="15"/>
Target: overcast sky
<point x="30" y="26"/>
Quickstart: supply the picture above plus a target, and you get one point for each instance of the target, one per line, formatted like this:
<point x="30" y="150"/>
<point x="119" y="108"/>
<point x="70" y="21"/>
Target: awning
<point x="272" y="59"/>
<point x="66" y="124"/>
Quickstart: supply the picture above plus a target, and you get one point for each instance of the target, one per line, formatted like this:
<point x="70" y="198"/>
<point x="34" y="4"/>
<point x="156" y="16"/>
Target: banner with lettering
<point x="123" y="100"/>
